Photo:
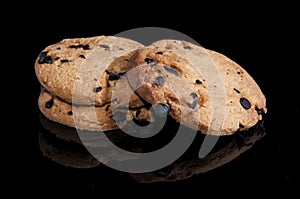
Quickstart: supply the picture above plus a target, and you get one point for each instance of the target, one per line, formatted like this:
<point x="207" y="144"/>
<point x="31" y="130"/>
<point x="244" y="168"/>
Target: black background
<point x="256" y="39"/>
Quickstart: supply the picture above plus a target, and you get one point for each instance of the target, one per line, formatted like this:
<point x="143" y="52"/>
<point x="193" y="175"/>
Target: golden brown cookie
<point x="91" y="118"/>
<point x="83" y="70"/>
<point x="201" y="88"/>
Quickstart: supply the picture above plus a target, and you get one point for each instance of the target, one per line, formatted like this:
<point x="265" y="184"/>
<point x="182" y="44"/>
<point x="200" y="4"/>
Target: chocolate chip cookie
<point x="91" y="118"/>
<point x="83" y="70"/>
<point x="203" y="89"/>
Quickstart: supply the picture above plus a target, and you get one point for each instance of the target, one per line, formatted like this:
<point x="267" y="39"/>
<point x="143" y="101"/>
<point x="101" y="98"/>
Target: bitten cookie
<point x="83" y="70"/>
<point x="201" y="88"/>
<point x="91" y="118"/>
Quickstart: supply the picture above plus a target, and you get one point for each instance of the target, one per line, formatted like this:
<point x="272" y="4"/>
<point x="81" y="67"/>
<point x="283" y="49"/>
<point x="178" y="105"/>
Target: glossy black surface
<point x="268" y="167"/>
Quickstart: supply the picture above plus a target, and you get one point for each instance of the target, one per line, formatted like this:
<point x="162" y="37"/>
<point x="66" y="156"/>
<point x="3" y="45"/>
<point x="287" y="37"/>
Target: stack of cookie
<point x="78" y="76"/>
<point x="104" y="82"/>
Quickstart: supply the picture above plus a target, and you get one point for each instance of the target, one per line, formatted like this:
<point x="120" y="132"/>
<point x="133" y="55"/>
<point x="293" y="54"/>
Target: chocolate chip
<point x="112" y="76"/>
<point x="198" y="81"/>
<point x="49" y="104"/>
<point x="163" y="172"/>
<point x="141" y="122"/>
<point x="170" y="70"/>
<point x="57" y="58"/>
<point x="70" y="113"/>
<point x="241" y="126"/>
<point x="107" y="107"/>
<point x="260" y="111"/>
<point x="137" y="113"/>
<point x="106" y="47"/>
<point x="82" y="56"/>
<point x="84" y="47"/>
<point x="121" y="75"/>
<point x="187" y="47"/>
<point x="161" y="110"/>
<point x="44" y="58"/>
<point x="194" y="100"/>
<point x="159" y="53"/>
<point x="97" y="89"/>
<point x="119" y="117"/>
<point x="159" y="81"/>
<point x="236" y="90"/>
<point x="245" y="103"/>
<point x="151" y="62"/>
<point x="121" y="48"/>
<point x="64" y="60"/>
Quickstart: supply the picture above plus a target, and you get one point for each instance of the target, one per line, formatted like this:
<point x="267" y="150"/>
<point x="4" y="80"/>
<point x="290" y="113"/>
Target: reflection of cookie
<point x="93" y="63"/>
<point x="243" y="103"/>
<point x="66" y="153"/>
<point x="87" y="117"/>
<point x="63" y="145"/>
<point x="227" y="149"/>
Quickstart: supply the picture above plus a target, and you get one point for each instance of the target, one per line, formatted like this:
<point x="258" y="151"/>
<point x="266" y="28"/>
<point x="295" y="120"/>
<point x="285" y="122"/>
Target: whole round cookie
<point x="215" y="94"/>
<point x="82" y="70"/>
<point x="91" y="118"/>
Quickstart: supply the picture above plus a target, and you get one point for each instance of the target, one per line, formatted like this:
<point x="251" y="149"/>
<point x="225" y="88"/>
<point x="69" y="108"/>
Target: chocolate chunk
<point x="170" y="70"/>
<point x="159" y="81"/>
<point x="159" y="53"/>
<point x="70" y="113"/>
<point x="198" y="81"/>
<point x="151" y="62"/>
<point x="64" y="60"/>
<point x="97" y="89"/>
<point x="236" y="90"/>
<point x="194" y="100"/>
<point x="119" y="117"/>
<point x="49" y="104"/>
<point x="121" y="48"/>
<point x="187" y="47"/>
<point x="82" y="56"/>
<point x="106" y="47"/>
<point x="161" y="110"/>
<point x="45" y="59"/>
<point x="260" y="111"/>
<point x="84" y="47"/>
<point x="245" y="103"/>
